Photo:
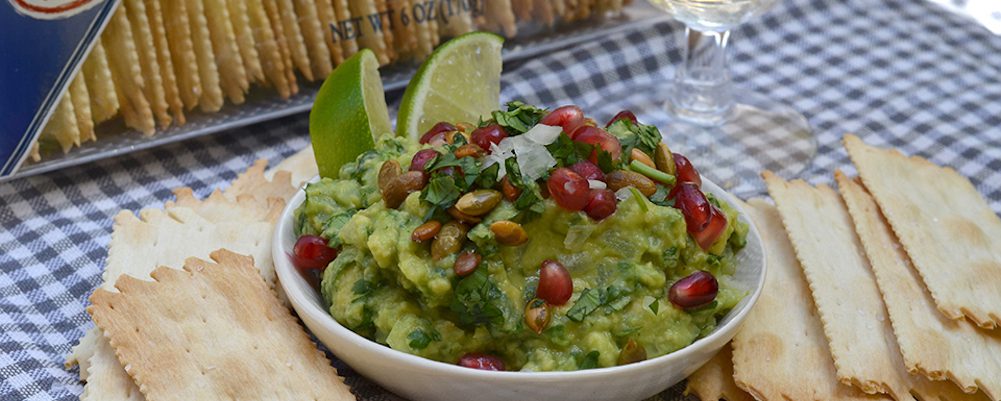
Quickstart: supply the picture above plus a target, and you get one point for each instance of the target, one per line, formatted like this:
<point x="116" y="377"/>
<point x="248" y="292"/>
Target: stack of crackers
<point x="887" y="288"/>
<point x="219" y="328"/>
<point x="159" y="59"/>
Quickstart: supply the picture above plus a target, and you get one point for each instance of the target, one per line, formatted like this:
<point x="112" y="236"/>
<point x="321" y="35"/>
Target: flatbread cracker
<point x="61" y="126"/>
<point x="327" y="17"/>
<point x="932" y="344"/>
<point x="239" y="14"/>
<point x="146" y="50"/>
<point x="184" y="313"/>
<point x="294" y="40"/>
<point x="165" y="237"/>
<point x="272" y="62"/>
<point x="80" y="97"/>
<point x="404" y="34"/>
<point x="182" y="51"/>
<point x="34" y="153"/>
<point x="100" y="87"/>
<point x="126" y="73"/>
<point x="714" y="380"/>
<point x="349" y="45"/>
<point x="232" y="74"/>
<point x="252" y="182"/>
<point x="422" y="30"/>
<point x="544" y="12"/>
<point x="301" y="166"/>
<point x="523" y="9"/>
<point x="369" y="37"/>
<point x="844" y="289"/>
<point x="312" y="34"/>
<point x="949" y="231"/>
<point x="211" y="97"/>
<point x="780" y="352"/>
<point x="154" y="14"/>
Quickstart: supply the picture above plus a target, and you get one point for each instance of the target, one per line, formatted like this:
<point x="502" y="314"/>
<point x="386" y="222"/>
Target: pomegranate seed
<point x="568" y="189"/>
<point x="685" y="171"/>
<point x="437" y="133"/>
<point x="696" y="290"/>
<point x="624" y="114"/>
<point x="485" y="136"/>
<point x="421" y="159"/>
<point x="600" y="138"/>
<point x="480" y="361"/>
<point x="713" y="230"/>
<point x="588" y="170"/>
<point x="312" y="253"/>
<point x="693" y="205"/>
<point x="568" y="117"/>
<point x="601" y="204"/>
<point x="555" y="285"/>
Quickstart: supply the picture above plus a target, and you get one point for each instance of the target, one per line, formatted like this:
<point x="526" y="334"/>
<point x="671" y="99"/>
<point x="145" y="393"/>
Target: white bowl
<point x="418" y="378"/>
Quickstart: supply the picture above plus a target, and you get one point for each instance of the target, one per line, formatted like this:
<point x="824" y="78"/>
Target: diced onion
<point x="595" y="184"/>
<point x="623" y="194"/>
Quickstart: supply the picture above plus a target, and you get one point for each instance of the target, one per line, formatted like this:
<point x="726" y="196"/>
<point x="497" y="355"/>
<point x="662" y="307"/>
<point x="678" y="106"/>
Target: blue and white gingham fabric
<point x="901" y="73"/>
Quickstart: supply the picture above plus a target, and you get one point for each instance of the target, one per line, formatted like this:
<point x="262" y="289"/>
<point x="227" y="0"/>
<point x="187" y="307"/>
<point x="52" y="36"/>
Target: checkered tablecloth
<point x="900" y="73"/>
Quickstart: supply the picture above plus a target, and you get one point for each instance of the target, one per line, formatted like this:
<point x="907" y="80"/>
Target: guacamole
<point x="388" y="287"/>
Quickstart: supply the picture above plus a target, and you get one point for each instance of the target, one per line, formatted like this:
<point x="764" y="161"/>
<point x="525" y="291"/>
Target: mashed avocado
<point x="388" y="288"/>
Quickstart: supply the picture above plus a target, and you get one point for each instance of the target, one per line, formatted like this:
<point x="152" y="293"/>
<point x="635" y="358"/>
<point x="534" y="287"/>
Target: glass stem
<point x="702" y="92"/>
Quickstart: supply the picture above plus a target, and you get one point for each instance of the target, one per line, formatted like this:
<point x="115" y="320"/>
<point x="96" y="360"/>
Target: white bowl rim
<point x="302" y="305"/>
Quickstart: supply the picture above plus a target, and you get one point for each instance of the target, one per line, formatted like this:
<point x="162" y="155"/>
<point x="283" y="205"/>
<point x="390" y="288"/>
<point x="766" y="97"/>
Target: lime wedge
<point x="460" y="82"/>
<point x="349" y="113"/>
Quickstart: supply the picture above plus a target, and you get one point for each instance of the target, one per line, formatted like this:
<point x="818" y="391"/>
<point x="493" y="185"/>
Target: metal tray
<point x="263" y="106"/>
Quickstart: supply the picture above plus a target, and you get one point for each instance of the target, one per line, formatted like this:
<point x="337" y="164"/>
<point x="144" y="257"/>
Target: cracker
<point x="80" y="97"/>
<point x="100" y="87"/>
<point x="126" y="73"/>
<point x="422" y="30"/>
<point x="182" y="51"/>
<point x="384" y="25"/>
<point x="167" y="237"/>
<point x="349" y="45"/>
<point x="109" y="382"/>
<point x="301" y="166"/>
<point x="312" y="33"/>
<point x="544" y="12"/>
<point x="293" y="38"/>
<point x="252" y="182"/>
<point x="523" y="9"/>
<point x="327" y="18"/>
<point x="948" y="229"/>
<point x="404" y="27"/>
<point x="500" y="15"/>
<point x="218" y="329"/>
<point x="780" y="352"/>
<point x="34" y="153"/>
<point x="714" y="380"/>
<point x="275" y="18"/>
<point x="239" y="15"/>
<point x="932" y="344"/>
<point x="454" y="22"/>
<point x="152" y="83"/>
<point x="232" y="75"/>
<point x="61" y="126"/>
<point x="211" y="97"/>
<point x="369" y="37"/>
<point x="844" y="289"/>
<point x="154" y="15"/>
<point x="272" y="62"/>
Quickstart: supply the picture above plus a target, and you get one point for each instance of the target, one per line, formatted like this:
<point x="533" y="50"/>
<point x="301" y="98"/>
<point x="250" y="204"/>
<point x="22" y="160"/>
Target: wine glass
<point x="734" y="133"/>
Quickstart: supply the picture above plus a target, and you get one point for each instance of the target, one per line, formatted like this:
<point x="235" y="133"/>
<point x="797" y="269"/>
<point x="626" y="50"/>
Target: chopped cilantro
<point x="564" y="150"/>
<point x="441" y="192"/>
<point x="591" y="299"/>
<point x="654" y="306"/>
<point x="419" y="339"/>
<point x="660" y="197"/>
<point x="519" y="117"/>
<point x="478" y="301"/>
<point x="590" y="360"/>
<point x="631" y="135"/>
<point x="488" y="177"/>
